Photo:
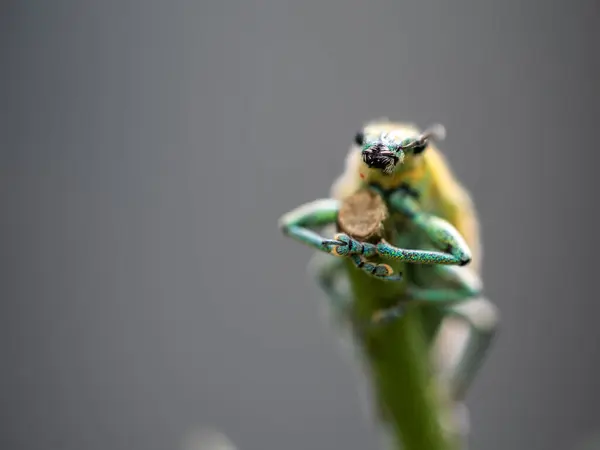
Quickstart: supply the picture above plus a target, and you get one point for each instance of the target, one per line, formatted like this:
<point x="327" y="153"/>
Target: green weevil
<point x="431" y="263"/>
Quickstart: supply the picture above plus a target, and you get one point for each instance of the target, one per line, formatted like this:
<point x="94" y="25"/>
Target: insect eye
<point x="359" y="139"/>
<point x="419" y="148"/>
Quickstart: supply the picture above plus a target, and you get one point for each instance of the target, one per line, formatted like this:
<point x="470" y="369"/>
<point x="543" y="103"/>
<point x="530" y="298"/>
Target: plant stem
<point x="397" y="353"/>
<point x="398" y="359"/>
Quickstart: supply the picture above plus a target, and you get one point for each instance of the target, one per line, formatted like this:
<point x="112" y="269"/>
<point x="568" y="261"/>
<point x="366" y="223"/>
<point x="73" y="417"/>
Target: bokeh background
<point x="148" y="148"/>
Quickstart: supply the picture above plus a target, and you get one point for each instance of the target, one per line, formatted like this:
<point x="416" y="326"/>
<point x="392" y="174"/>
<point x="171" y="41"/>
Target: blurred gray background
<point x="148" y="149"/>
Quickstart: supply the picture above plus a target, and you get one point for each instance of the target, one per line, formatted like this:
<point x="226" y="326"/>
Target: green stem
<point x="399" y="363"/>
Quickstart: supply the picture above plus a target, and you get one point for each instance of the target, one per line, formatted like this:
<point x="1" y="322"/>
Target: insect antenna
<point x="436" y="132"/>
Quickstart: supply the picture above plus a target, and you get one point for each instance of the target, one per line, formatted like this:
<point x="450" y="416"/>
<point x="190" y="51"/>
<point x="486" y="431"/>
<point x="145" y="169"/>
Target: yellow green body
<point x="429" y="173"/>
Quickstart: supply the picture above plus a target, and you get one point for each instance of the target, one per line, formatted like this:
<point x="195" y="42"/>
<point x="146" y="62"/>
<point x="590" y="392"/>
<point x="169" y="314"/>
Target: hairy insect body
<point x="429" y="179"/>
<point x="429" y="261"/>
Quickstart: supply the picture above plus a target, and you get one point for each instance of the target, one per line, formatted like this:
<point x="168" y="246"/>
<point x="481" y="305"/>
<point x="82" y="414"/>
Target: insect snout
<point x="379" y="156"/>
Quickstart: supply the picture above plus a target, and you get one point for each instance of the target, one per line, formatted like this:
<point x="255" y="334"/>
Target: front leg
<point x="380" y="271"/>
<point x="358" y="252"/>
<point x="297" y="223"/>
<point x="454" y="249"/>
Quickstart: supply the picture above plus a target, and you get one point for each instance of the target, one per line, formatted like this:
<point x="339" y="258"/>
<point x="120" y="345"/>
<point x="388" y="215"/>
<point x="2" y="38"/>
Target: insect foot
<point x="379" y="271"/>
<point x="344" y="245"/>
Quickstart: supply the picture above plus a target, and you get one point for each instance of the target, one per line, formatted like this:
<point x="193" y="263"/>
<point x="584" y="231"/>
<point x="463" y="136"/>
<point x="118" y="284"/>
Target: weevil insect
<point x="431" y="259"/>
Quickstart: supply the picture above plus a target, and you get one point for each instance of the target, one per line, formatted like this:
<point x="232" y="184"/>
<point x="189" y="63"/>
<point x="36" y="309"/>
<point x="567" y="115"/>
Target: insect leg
<point x="454" y="249"/>
<point x="466" y="331"/>
<point x="381" y="271"/>
<point x="330" y="273"/>
<point x="458" y="284"/>
<point x="297" y="223"/>
<point x="450" y="284"/>
<point x="461" y="298"/>
<point x="481" y="316"/>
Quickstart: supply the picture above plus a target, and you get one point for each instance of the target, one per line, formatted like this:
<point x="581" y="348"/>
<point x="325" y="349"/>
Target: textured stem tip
<point x="362" y="216"/>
